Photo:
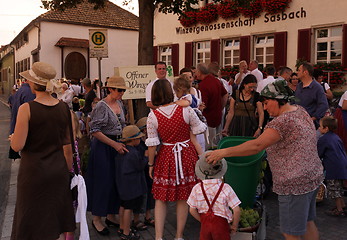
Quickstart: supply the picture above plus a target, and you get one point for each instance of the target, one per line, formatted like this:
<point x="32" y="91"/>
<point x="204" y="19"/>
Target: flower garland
<point x="207" y="14"/>
<point x="275" y="6"/>
<point x="253" y="10"/>
<point x="229" y="9"/>
<point x="188" y="19"/>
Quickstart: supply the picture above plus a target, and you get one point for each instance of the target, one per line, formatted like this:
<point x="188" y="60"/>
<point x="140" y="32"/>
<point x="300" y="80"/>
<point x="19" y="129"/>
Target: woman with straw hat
<point x="44" y="207"/>
<point x="107" y="122"/>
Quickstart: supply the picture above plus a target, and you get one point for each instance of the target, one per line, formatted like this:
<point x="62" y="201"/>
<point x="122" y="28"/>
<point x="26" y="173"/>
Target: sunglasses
<point x="119" y="89"/>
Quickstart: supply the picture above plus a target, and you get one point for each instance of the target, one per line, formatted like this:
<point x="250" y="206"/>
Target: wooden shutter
<point x="245" y="48"/>
<point x="344" y="46"/>
<point x="215" y="50"/>
<point x="175" y="59"/>
<point x="155" y="54"/>
<point x="304" y="44"/>
<point x="280" y="49"/>
<point x="188" y="58"/>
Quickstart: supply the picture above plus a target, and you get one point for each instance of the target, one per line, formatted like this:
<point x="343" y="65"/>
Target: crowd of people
<point x="133" y="171"/>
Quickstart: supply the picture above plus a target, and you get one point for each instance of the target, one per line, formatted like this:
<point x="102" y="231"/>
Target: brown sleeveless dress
<point x="44" y="207"/>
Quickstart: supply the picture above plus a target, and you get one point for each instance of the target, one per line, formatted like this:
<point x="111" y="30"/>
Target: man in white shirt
<point x="253" y="67"/>
<point x="270" y="71"/>
<point x="66" y="95"/>
<point x="160" y="71"/>
<point x="243" y="72"/>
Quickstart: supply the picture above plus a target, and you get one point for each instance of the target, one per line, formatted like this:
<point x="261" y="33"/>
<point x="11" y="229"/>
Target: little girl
<point x="181" y="87"/>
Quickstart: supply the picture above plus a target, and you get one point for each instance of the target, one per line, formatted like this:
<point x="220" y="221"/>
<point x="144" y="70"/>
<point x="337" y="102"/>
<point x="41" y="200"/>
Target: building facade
<point x="62" y="40"/>
<point x="6" y="69"/>
<point x="311" y="30"/>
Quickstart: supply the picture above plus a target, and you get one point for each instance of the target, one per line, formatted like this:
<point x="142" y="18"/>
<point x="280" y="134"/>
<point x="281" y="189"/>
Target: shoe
<point x="103" y="232"/>
<point x="149" y="222"/>
<point x="111" y="224"/>
<point x="139" y="226"/>
<point x="131" y="236"/>
<point x="335" y="213"/>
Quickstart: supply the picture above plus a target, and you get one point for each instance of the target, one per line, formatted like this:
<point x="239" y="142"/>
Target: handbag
<point x="74" y="190"/>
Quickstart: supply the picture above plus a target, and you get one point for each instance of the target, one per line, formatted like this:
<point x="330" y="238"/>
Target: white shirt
<point x="265" y="82"/>
<point x="242" y="76"/>
<point x="227" y="87"/>
<point x="149" y="89"/>
<point x="258" y="74"/>
<point x="189" y="117"/>
<point x="76" y="89"/>
<point x="343" y="98"/>
<point x="67" y="97"/>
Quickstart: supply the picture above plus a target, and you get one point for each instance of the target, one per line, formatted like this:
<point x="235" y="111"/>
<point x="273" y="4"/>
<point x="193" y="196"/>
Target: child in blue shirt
<point x="130" y="179"/>
<point x="331" y="150"/>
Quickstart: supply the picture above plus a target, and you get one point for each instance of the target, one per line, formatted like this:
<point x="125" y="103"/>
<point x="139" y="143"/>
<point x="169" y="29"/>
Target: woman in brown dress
<point x="44" y="207"/>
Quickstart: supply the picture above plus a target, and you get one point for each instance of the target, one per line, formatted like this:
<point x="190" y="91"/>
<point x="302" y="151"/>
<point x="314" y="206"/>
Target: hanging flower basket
<point x="228" y="10"/>
<point x="275" y="6"/>
<point x="188" y="19"/>
<point x="207" y="14"/>
<point x="253" y="10"/>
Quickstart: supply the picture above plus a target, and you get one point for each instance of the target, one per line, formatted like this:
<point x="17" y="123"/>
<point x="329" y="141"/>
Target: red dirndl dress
<point x="174" y="171"/>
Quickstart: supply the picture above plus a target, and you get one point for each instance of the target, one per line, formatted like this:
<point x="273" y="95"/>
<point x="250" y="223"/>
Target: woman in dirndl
<point x="107" y="122"/>
<point x="173" y="172"/>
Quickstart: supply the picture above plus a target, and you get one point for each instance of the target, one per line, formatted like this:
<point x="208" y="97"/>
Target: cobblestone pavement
<point x="330" y="228"/>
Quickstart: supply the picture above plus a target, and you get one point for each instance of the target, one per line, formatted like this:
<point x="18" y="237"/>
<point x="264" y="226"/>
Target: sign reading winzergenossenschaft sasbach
<point x="98" y="45"/>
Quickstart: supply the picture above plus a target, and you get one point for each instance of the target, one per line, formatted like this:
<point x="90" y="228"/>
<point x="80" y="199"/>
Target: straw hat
<point x="40" y="73"/>
<point x="204" y="170"/>
<point x="142" y="123"/>
<point x="131" y="132"/>
<point x="116" y="82"/>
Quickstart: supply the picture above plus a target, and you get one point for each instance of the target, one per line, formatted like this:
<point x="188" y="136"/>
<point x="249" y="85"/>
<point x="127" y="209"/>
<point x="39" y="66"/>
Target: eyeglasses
<point x="119" y="89"/>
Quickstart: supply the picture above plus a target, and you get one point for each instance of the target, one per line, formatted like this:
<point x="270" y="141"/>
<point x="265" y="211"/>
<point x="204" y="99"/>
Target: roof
<point x="111" y="16"/>
<point x="72" y="42"/>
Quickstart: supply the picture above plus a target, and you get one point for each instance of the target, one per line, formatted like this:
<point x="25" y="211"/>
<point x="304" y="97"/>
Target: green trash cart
<point x="243" y="172"/>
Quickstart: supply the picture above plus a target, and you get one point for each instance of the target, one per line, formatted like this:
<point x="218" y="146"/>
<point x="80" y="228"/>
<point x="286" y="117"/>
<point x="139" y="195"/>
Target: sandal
<point x="149" y="222"/>
<point x="335" y="213"/>
<point x="131" y="236"/>
<point x="139" y="226"/>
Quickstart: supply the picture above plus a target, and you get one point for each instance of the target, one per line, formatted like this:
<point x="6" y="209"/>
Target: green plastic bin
<point x="243" y="172"/>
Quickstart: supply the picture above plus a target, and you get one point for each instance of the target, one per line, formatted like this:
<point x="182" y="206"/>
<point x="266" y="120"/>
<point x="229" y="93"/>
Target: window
<point x="202" y="52"/>
<point x="328" y="42"/>
<point x="231" y="52"/>
<point x="264" y="50"/>
<point x="165" y="54"/>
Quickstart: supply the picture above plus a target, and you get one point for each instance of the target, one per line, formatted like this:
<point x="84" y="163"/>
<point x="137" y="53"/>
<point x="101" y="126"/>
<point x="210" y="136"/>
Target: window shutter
<point x="188" y="58"/>
<point x="280" y="49"/>
<point x="215" y="50"/>
<point x="175" y="59"/>
<point x="155" y="54"/>
<point x="245" y="48"/>
<point x="304" y="44"/>
<point x="344" y="45"/>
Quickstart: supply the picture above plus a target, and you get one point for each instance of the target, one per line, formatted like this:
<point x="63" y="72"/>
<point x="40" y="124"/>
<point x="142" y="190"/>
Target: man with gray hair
<point x="215" y="98"/>
<point x="253" y="67"/>
<point x="285" y="73"/>
<point x="66" y="95"/>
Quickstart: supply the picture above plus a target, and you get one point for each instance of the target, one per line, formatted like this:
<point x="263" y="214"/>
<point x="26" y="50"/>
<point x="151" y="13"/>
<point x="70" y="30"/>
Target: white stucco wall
<point x="318" y="13"/>
<point x="25" y="51"/>
<point x="122" y="45"/>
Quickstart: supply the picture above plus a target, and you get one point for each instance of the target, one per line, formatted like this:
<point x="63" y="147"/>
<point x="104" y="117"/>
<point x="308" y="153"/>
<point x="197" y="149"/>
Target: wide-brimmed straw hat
<point x="116" y="82"/>
<point x="205" y="170"/>
<point x="131" y="132"/>
<point x="142" y="123"/>
<point x="40" y="73"/>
